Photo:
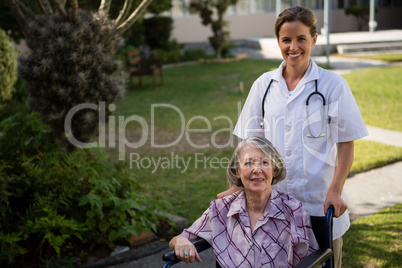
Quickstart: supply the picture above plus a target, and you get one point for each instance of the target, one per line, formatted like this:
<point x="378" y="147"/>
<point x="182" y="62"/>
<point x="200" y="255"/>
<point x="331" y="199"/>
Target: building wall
<point x="190" y="30"/>
<point x="389" y="18"/>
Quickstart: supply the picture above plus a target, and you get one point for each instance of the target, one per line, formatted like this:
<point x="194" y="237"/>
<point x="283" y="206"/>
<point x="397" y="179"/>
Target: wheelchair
<point x="322" y="228"/>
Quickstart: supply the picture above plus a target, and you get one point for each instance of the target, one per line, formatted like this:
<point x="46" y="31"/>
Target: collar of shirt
<point x="310" y="75"/>
<point x="273" y="209"/>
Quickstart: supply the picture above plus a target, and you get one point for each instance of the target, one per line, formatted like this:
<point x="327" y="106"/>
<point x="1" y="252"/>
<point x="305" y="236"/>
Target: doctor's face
<point x="295" y="42"/>
<point x="255" y="170"/>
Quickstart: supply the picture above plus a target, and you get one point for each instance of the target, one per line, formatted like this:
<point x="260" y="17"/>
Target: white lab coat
<point x="310" y="162"/>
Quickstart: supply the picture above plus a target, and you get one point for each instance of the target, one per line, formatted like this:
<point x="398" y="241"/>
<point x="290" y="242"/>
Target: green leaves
<point x="55" y="229"/>
<point x="51" y="199"/>
<point x="206" y="9"/>
<point x="8" y="67"/>
<point x="71" y="62"/>
<point x="9" y="248"/>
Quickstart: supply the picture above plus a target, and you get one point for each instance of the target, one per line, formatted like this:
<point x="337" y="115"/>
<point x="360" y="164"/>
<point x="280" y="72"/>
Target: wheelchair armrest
<point x="315" y="259"/>
<point x="199" y="243"/>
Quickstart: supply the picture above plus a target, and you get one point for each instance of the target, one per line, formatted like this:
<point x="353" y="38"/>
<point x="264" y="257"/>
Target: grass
<point x="191" y="187"/>
<point x="212" y="90"/>
<point x="207" y="90"/>
<point x="378" y="94"/>
<point x="375" y="241"/>
<point x="188" y="190"/>
<point x="370" y="154"/>
<point x="388" y="57"/>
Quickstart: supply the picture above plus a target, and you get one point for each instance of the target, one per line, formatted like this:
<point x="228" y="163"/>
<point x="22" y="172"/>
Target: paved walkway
<point x="389" y="137"/>
<point x="367" y="193"/>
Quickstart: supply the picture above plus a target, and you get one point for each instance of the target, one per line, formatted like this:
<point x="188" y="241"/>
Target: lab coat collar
<point x="310" y="75"/>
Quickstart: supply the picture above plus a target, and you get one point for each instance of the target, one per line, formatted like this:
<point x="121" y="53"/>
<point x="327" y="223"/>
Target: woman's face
<point x="255" y="169"/>
<point x="295" y="42"/>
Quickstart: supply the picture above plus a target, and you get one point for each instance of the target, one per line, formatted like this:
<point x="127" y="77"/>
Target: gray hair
<point x="268" y="149"/>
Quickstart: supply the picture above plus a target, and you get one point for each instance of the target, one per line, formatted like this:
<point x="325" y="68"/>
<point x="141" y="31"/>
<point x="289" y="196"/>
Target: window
<point x="261" y="6"/>
<point x="341" y="4"/>
<point x="242" y="7"/>
<point x="286" y="4"/>
<point x="179" y="8"/>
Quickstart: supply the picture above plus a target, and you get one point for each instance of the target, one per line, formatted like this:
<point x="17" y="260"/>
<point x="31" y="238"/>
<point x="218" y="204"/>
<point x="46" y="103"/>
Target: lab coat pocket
<point x="316" y="134"/>
<point x="275" y="255"/>
<point x="315" y="125"/>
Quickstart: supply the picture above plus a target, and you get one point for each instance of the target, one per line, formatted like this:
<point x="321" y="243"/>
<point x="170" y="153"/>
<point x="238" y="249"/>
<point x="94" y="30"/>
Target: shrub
<point x="193" y="54"/>
<point x="8" y="67"/>
<point x="55" y="204"/>
<point x="71" y="63"/>
<point x="157" y="31"/>
<point x="165" y="57"/>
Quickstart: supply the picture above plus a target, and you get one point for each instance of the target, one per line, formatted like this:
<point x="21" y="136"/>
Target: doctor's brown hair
<point x="265" y="146"/>
<point x="297" y="13"/>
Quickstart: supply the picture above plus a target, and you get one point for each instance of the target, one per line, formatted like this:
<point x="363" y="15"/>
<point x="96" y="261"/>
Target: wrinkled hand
<point x="336" y="201"/>
<point x="183" y="246"/>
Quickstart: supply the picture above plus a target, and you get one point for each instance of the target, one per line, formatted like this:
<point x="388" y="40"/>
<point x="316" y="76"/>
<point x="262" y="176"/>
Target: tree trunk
<point x="60" y="8"/>
<point x="45" y="7"/>
<point x="105" y="6"/>
<point x="133" y="17"/>
<point x="17" y="14"/>
<point x="220" y="36"/>
<point x="124" y="12"/>
<point x="74" y="8"/>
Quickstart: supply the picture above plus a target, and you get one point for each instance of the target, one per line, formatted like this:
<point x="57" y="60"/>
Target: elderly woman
<point x="256" y="226"/>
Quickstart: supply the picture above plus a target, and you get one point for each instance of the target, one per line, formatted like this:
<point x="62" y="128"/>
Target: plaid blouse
<point x="281" y="238"/>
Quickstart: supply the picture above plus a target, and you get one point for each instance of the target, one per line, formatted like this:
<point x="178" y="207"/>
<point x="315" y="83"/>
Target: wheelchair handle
<point x="199" y="243"/>
<point x="330" y="210"/>
<point x="328" y="225"/>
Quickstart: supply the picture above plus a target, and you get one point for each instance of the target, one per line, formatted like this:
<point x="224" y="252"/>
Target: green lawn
<point x="210" y="93"/>
<point x="207" y="90"/>
<point x="375" y="241"/>
<point x="212" y="90"/>
<point x="388" y="57"/>
<point x="369" y="155"/>
<point x="378" y="94"/>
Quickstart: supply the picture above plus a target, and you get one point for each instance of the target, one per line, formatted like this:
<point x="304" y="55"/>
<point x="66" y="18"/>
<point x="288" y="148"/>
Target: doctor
<point x="317" y="143"/>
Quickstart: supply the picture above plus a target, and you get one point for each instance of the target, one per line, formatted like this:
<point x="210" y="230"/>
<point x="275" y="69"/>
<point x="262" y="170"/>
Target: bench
<point x="138" y="66"/>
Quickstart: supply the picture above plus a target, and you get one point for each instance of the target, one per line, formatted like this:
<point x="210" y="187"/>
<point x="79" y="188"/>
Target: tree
<point x="206" y="10"/>
<point x="71" y="62"/>
<point x="10" y="25"/>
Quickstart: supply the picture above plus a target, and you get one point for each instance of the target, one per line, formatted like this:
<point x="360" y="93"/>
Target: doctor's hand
<point x="229" y="191"/>
<point x="184" y="249"/>
<point x="335" y="200"/>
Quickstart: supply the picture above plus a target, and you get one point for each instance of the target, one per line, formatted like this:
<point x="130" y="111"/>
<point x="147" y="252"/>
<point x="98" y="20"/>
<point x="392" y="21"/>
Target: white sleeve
<point x="346" y="121"/>
<point x="248" y="124"/>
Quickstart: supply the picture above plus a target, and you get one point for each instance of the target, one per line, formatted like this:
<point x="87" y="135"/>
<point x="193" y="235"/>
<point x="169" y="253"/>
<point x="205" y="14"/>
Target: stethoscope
<point x="320" y="135"/>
